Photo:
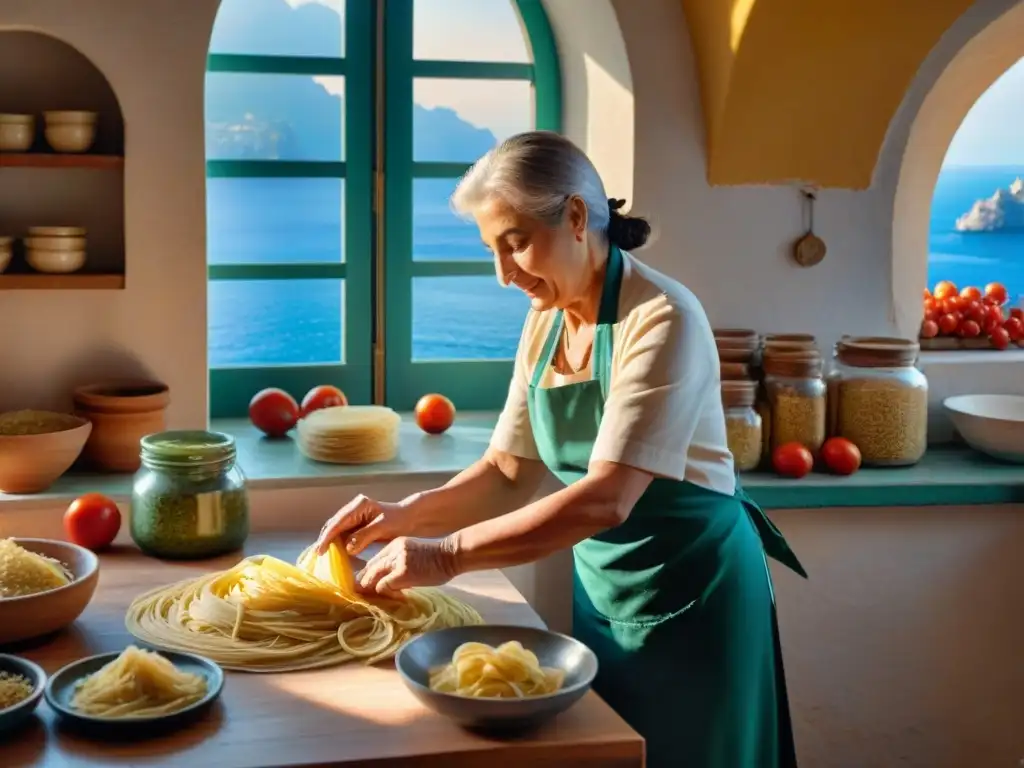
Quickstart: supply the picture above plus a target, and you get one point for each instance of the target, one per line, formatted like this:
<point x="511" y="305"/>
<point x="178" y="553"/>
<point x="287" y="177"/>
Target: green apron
<point x="677" y="601"/>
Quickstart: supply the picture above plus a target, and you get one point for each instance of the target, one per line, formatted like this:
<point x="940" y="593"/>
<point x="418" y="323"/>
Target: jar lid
<point x="187" y="447"/>
<point x="793" y="363"/>
<point x="739" y="394"/>
<point x="877" y="351"/>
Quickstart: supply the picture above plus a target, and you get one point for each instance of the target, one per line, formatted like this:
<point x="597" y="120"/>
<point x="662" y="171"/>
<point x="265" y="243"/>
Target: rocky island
<point x="1004" y="211"/>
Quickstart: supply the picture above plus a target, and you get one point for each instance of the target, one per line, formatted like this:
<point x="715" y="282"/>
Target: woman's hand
<point x="363" y="521"/>
<point x="407" y="563"/>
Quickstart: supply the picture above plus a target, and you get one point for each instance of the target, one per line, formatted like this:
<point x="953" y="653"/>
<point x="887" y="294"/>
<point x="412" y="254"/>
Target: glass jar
<point x="737" y="345"/>
<point x="189" y="498"/>
<point x="795" y="393"/>
<point x="742" y="423"/>
<point x="879" y="399"/>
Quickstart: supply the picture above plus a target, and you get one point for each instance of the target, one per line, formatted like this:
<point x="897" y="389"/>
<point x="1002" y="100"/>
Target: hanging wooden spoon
<point x="809" y="249"/>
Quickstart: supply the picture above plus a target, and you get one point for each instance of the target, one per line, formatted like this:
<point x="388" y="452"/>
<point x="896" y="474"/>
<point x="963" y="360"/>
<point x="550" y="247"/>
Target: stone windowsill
<point x="946" y="476"/>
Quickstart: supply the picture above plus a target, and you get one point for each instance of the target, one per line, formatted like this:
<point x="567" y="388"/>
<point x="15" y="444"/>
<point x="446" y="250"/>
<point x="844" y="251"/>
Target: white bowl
<point x="17" y="132"/>
<point x="70" y="137"/>
<point x="992" y="424"/>
<point x="70" y="116"/>
<point x="56" y="231"/>
<point x="55" y="243"/>
<point x="55" y="262"/>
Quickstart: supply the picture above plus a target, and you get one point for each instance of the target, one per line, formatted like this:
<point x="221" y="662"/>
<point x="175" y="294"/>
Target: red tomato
<point x="1014" y="328"/>
<point x="434" y="413"/>
<point x="840" y="455"/>
<point x="948" y="323"/>
<point x="1000" y="338"/>
<point x="792" y="460"/>
<point x="990" y="324"/>
<point x="273" y="411"/>
<point x="995" y="312"/>
<point x="92" y="521"/>
<point x="324" y="396"/>
<point x="945" y="290"/>
<point x="951" y="305"/>
<point x="971" y="293"/>
<point x="927" y="294"/>
<point x="977" y="312"/>
<point x="1018" y="313"/>
<point x="969" y="329"/>
<point x="929" y="329"/>
<point x="930" y="305"/>
<point x="996" y="292"/>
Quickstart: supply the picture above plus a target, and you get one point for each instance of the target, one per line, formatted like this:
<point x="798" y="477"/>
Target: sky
<point x="993" y="131"/>
<point x="467" y="30"/>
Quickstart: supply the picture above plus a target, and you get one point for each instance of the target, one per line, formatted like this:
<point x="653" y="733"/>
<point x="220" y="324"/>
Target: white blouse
<point x="664" y="411"/>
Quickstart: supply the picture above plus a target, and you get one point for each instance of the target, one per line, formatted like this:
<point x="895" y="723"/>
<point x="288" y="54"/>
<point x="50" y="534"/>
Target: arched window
<point x="977" y="213"/>
<point x="335" y="133"/>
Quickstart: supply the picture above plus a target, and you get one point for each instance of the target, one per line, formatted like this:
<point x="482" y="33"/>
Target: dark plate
<point x="61" y="688"/>
<point x="20" y="713"/>
<point x="421" y="654"/>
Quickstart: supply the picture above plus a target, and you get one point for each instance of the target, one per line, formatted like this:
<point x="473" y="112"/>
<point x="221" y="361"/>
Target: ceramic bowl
<point x="55" y="262"/>
<point x="56" y="231"/>
<point x="6" y="252"/>
<point x="432" y="649"/>
<point x="32" y="463"/>
<point x="32" y="616"/>
<point x="70" y="137"/>
<point x="70" y="117"/>
<point x="55" y="243"/>
<point x="17" y="132"/>
<point x="15" y="716"/>
<point x="992" y="424"/>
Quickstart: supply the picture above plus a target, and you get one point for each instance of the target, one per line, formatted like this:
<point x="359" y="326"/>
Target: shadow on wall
<point x="92" y="365"/>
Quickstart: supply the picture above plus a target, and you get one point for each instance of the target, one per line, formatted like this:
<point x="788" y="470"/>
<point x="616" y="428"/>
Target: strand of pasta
<point x="266" y="615"/>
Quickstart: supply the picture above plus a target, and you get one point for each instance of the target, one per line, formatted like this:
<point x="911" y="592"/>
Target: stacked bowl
<point x="16" y="132"/>
<point x="6" y="251"/>
<point x="55" y="250"/>
<point x="70" y="131"/>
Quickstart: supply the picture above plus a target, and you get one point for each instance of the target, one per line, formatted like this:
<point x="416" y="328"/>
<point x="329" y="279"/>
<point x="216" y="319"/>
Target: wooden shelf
<point x="48" y="160"/>
<point x="72" y="282"/>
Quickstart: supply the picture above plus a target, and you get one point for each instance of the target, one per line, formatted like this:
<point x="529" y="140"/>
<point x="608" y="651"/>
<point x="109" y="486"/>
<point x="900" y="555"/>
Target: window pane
<point x="468" y="30"/>
<point x="275" y="322"/>
<point x="274" y="117"/>
<point x="459" y="120"/>
<point x="275" y="221"/>
<point x="280" y="28"/>
<point x="437" y="232"/>
<point x="465" y="318"/>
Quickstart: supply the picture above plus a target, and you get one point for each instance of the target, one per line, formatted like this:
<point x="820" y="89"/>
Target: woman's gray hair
<point x="536" y="173"/>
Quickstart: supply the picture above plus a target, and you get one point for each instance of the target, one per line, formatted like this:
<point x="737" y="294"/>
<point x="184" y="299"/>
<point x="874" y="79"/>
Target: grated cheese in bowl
<point x="23" y="572"/>
<point x="14" y="689"/>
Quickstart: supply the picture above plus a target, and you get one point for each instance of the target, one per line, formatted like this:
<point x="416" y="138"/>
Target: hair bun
<point x="626" y="232"/>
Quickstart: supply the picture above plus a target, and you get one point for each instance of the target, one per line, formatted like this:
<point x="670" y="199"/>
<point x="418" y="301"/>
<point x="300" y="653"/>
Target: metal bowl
<point x="17" y="715"/>
<point x="433" y="649"/>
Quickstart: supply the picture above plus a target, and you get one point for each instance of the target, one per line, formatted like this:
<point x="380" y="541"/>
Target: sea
<point x="266" y="221"/>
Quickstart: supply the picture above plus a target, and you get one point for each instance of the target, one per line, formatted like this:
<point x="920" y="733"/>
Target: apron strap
<point x="548" y="351"/>
<point x="607" y="317"/>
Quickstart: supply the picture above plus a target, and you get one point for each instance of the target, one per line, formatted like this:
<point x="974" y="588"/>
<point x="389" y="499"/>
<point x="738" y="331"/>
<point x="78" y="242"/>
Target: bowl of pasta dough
<point x="44" y="586"/>
<point x="497" y="677"/>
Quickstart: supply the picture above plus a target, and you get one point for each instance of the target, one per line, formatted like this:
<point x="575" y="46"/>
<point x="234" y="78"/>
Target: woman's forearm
<point x="544" y="527"/>
<point x="495" y="484"/>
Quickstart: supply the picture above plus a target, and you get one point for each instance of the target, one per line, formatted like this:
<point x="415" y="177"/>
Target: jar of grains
<point x="878" y="399"/>
<point x="189" y="497"/>
<point x="795" y="396"/>
<point x="742" y="423"/>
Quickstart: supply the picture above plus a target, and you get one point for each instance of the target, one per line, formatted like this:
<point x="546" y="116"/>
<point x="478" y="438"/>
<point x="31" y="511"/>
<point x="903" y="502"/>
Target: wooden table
<point x="348" y="715"/>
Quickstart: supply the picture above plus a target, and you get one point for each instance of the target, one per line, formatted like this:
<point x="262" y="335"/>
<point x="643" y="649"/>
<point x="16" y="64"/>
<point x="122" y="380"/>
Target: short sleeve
<point x="513" y="433"/>
<point x="665" y="372"/>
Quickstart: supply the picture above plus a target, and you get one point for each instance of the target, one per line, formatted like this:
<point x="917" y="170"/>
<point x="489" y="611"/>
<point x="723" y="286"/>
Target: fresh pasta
<point x="13" y="689"/>
<point x="138" y="683"/>
<point x="478" y="670"/>
<point x="266" y="615"/>
<point x="24" y="572"/>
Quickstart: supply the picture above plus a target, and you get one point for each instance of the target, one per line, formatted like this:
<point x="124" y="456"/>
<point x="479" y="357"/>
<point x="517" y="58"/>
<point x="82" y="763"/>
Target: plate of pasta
<point x="134" y="688"/>
<point x="497" y="676"/>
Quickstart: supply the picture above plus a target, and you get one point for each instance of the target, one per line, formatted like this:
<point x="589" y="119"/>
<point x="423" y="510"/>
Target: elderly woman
<point x="616" y="391"/>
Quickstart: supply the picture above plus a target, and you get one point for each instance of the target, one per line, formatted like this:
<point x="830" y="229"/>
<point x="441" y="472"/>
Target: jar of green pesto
<point x="189" y="499"/>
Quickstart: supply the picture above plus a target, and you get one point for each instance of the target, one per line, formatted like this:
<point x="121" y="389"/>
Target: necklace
<point x="584" y="337"/>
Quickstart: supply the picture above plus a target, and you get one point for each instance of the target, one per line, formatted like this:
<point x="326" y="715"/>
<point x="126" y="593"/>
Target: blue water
<point x="267" y="221"/>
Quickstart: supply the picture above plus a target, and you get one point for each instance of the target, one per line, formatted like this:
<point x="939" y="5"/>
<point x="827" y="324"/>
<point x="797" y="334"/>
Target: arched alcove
<point x="40" y="187"/>
<point x="970" y="72"/>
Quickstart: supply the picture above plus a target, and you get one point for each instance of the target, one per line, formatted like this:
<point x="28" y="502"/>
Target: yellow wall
<point x="797" y="90"/>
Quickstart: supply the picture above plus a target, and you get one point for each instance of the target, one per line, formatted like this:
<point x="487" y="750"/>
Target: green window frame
<point x="379" y="170"/>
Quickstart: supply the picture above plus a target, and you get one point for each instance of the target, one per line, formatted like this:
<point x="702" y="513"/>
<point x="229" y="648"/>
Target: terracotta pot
<point x="32" y="463"/>
<point x="122" y="413"/>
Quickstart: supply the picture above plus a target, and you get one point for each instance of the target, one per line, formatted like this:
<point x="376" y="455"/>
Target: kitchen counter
<point x="344" y="716"/>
